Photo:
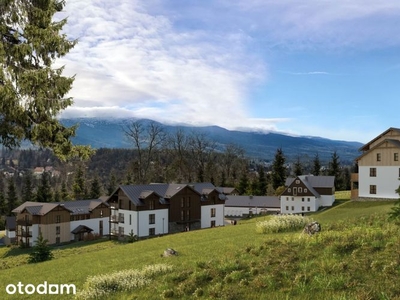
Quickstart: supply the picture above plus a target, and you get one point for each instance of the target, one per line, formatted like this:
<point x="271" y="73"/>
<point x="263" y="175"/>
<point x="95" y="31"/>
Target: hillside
<point x="106" y="133"/>
<point x="356" y="256"/>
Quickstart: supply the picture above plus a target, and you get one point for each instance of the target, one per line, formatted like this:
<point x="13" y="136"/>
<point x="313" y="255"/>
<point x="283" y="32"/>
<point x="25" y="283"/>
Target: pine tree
<point x="262" y="183"/>
<point x="27" y="189"/>
<point x="278" y="169"/>
<point x="112" y="184"/>
<point x="12" y="198"/>
<point x="78" y="186"/>
<point x="316" y="166"/>
<point x="334" y="169"/>
<point x="64" y="192"/>
<point x="33" y="93"/>
<point x="95" y="189"/>
<point x="41" y="251"/>
<point x="298" y="167"/>
<point x="243" y="183"/>
<point x="44" y="192"/>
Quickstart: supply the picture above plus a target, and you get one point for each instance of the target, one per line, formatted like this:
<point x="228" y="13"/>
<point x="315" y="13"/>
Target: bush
<point x="282" y="223"/>
<point x="41" y="251"/>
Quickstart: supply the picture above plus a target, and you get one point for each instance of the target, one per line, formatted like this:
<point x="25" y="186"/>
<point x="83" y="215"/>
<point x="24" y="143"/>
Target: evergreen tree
<point x="27" y="189"/>
<point x="298" y="167"/>
<point x="41" y="251"/>
<point x="33" y="93"/>
<point x="394" y="215"/>
<point x="334" y="169"/>
<point x="316" y="166"/>
<point x="12" y="198"/>
<point x="44" y="192"/>
<point x="243" y="183"/>
<point x="78" y="186"/>
<point x="3" y="206"/>
<point x="278" y="169"/>
<point x="57" y="196"/>
<point x="112" y="184"/>
<point x="262" y="183"/>
<point x="95" y="189"/>
<point x="64" y="192"/>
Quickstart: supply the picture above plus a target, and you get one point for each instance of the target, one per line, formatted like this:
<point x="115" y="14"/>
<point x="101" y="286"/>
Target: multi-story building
<point x="378" y="167"/>
<point x="307" y="193"/>
<point x="60" y="222"/>
<point x="156" y="209"/>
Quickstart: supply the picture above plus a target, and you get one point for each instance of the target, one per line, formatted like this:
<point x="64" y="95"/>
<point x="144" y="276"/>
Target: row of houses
<point x="158" y="209"/>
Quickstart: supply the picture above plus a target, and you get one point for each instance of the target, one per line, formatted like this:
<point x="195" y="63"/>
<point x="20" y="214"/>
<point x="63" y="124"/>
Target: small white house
<point x="240" y="206"/>
<point x="307" y="193"/>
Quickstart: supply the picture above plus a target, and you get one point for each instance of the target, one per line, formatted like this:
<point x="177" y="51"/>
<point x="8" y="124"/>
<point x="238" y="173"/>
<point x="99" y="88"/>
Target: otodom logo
<point x="44" y="288"/>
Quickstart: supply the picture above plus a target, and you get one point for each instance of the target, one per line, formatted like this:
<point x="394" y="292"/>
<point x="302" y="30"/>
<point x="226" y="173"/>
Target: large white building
<point x="378" y="167"/>
<point x="307" y="193"/>
<point x="156" y="209"/>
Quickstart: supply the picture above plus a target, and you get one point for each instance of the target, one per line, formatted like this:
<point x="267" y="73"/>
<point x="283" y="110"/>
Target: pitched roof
<point x="313" y="181"/>
<point x="366" y="146"/>
<point x="35" y="208"/>
<point x="227" y="190"/>
<point x="81" y="229"/>
<point x="252" y="201"/>
<point x="395" y="143"/>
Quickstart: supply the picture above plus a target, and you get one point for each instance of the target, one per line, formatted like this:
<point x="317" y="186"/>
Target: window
<point x="378" y="157"/>
<point x="212" y="212"/>
<point x="121" y="218"/>
<point x="295" y="191"/>
<point x="292" y="207"/>
<point x="287" y="207"/>
<point x="183" y="202"/>
<point x="302" y="199"/>
<point x="396" y="157"/>
<point x="308" y="208"/>
<point x="297" y="181"/>
<point x="188" y="202"/>
<point x="151" y="204"/>
<point x="188" y="215"/>
<point x="287" y="198"/>
<point x="121" y="231"/>
<point x="58" y="219"/>
<point x="152" y="219"/>
<point x="152" y="231"/>
<point x="300" y="189"/>
<point x="182" y="215"/>
<point x="212" y="223"/>
<point x="302" y="208"/>
<point x="57" y="229"/>
<point x="292" y="198"/>
<point x="58" y="240"/>
<point x="372" y="189"/>
<point x="71" y="218"/>
<point x="372" y="172"/>
<point x="308" y="199"/>
<point x="289" y="190"/>
<point x="130" y="219"/>
<point x="305" y="190"/>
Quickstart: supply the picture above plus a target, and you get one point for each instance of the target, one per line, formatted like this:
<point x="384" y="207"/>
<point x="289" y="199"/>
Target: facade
<point x="10" y="236"/>
<point x="307" y="193"/>
<point x="157" y="209"/>
<point x="60" y="222"/>
<point x="240" y="206"/>
<point x="378" y="167"/>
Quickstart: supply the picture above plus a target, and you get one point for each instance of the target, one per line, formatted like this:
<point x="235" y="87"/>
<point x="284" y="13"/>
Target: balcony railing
<point x="25" y="233"/>
<point x="114" y="219"/>
<point x="24" y="222"/>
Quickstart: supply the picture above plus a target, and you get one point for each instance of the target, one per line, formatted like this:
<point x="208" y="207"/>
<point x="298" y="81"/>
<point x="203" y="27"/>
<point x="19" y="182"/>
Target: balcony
<point x="25" y="233"/>
<point x="114" y="232"/>
<point x="24" y="222"/>
<point x="114" y="219"/>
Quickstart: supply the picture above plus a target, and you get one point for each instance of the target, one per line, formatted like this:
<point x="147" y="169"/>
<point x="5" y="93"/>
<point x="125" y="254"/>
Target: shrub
<point x="41" y="251"/>
<point x="282" y="223"/>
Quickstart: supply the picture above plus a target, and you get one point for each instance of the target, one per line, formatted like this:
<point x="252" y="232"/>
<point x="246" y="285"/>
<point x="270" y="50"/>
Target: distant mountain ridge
<point x="109" y="133"/>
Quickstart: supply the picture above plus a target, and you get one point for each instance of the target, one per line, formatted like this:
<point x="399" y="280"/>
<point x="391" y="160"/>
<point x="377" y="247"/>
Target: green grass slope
<point x="356" y="256"/>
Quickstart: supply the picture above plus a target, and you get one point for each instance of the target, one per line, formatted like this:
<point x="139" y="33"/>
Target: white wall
<point x="138" y="222"/>
<point x="236" y="211"/>
<point x="297" y="204"/>
<point x="35" y="234"/>
<point x="386" y="181"/>
<point x="10" y="234"/>
<point x="327" y="200"/>
<point x="93" y="224"/>
<point x="206" y="215"/>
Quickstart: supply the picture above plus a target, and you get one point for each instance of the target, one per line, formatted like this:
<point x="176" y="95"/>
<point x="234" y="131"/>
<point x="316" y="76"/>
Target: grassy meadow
<point x="355" y="256"/>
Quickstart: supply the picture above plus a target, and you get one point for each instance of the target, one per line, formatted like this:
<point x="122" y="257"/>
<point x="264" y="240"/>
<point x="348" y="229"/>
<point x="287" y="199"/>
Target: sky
<point x="311" y="68"/>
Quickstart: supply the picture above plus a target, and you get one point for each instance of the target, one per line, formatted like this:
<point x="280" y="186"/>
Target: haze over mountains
<point x="109" y="133"/>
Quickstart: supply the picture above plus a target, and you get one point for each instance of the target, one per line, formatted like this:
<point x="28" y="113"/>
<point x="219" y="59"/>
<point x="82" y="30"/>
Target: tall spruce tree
<point x="316" y="166"/>
<point x="12" y="198"/>
<point x="44" y="191"/>
<point x="334" y="169"/>
<point x="262" y="182"/>
<point x="298" y="167"/>
<point x="95" y="188"/>
<point x="27" y="188"/>
<point x="278" y="169"/>
<point x="78" y="186"/>
<point x="32" y="92"/>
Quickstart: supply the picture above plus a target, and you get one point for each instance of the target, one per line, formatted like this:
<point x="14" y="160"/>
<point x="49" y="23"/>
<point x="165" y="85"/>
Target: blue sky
<point x="317" y="68"/>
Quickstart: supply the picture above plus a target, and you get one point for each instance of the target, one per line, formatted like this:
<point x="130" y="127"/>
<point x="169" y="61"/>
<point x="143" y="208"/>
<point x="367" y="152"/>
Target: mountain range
<point x="109" y="133"/>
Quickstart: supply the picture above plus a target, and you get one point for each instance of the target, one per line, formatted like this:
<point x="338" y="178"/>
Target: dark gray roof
<point x="79" y="207"/>
<point x="252" y="201"/>
<point x="11" y="223"/>
<point x="136" y="193"/>
<point x="314" y="181"/>
<point x="35" y="208"/>
<point x="81" y="229"/>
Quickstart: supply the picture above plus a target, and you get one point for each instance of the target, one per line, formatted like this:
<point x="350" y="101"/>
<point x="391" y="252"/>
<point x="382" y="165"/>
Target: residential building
<point x="10" y="225"/>
<point x="157" y="209"/>
<point x="307" y="193"/>
<point x="378" y="167"/>
<point x="61" y="222"/>
<point x="241" y="206"/>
